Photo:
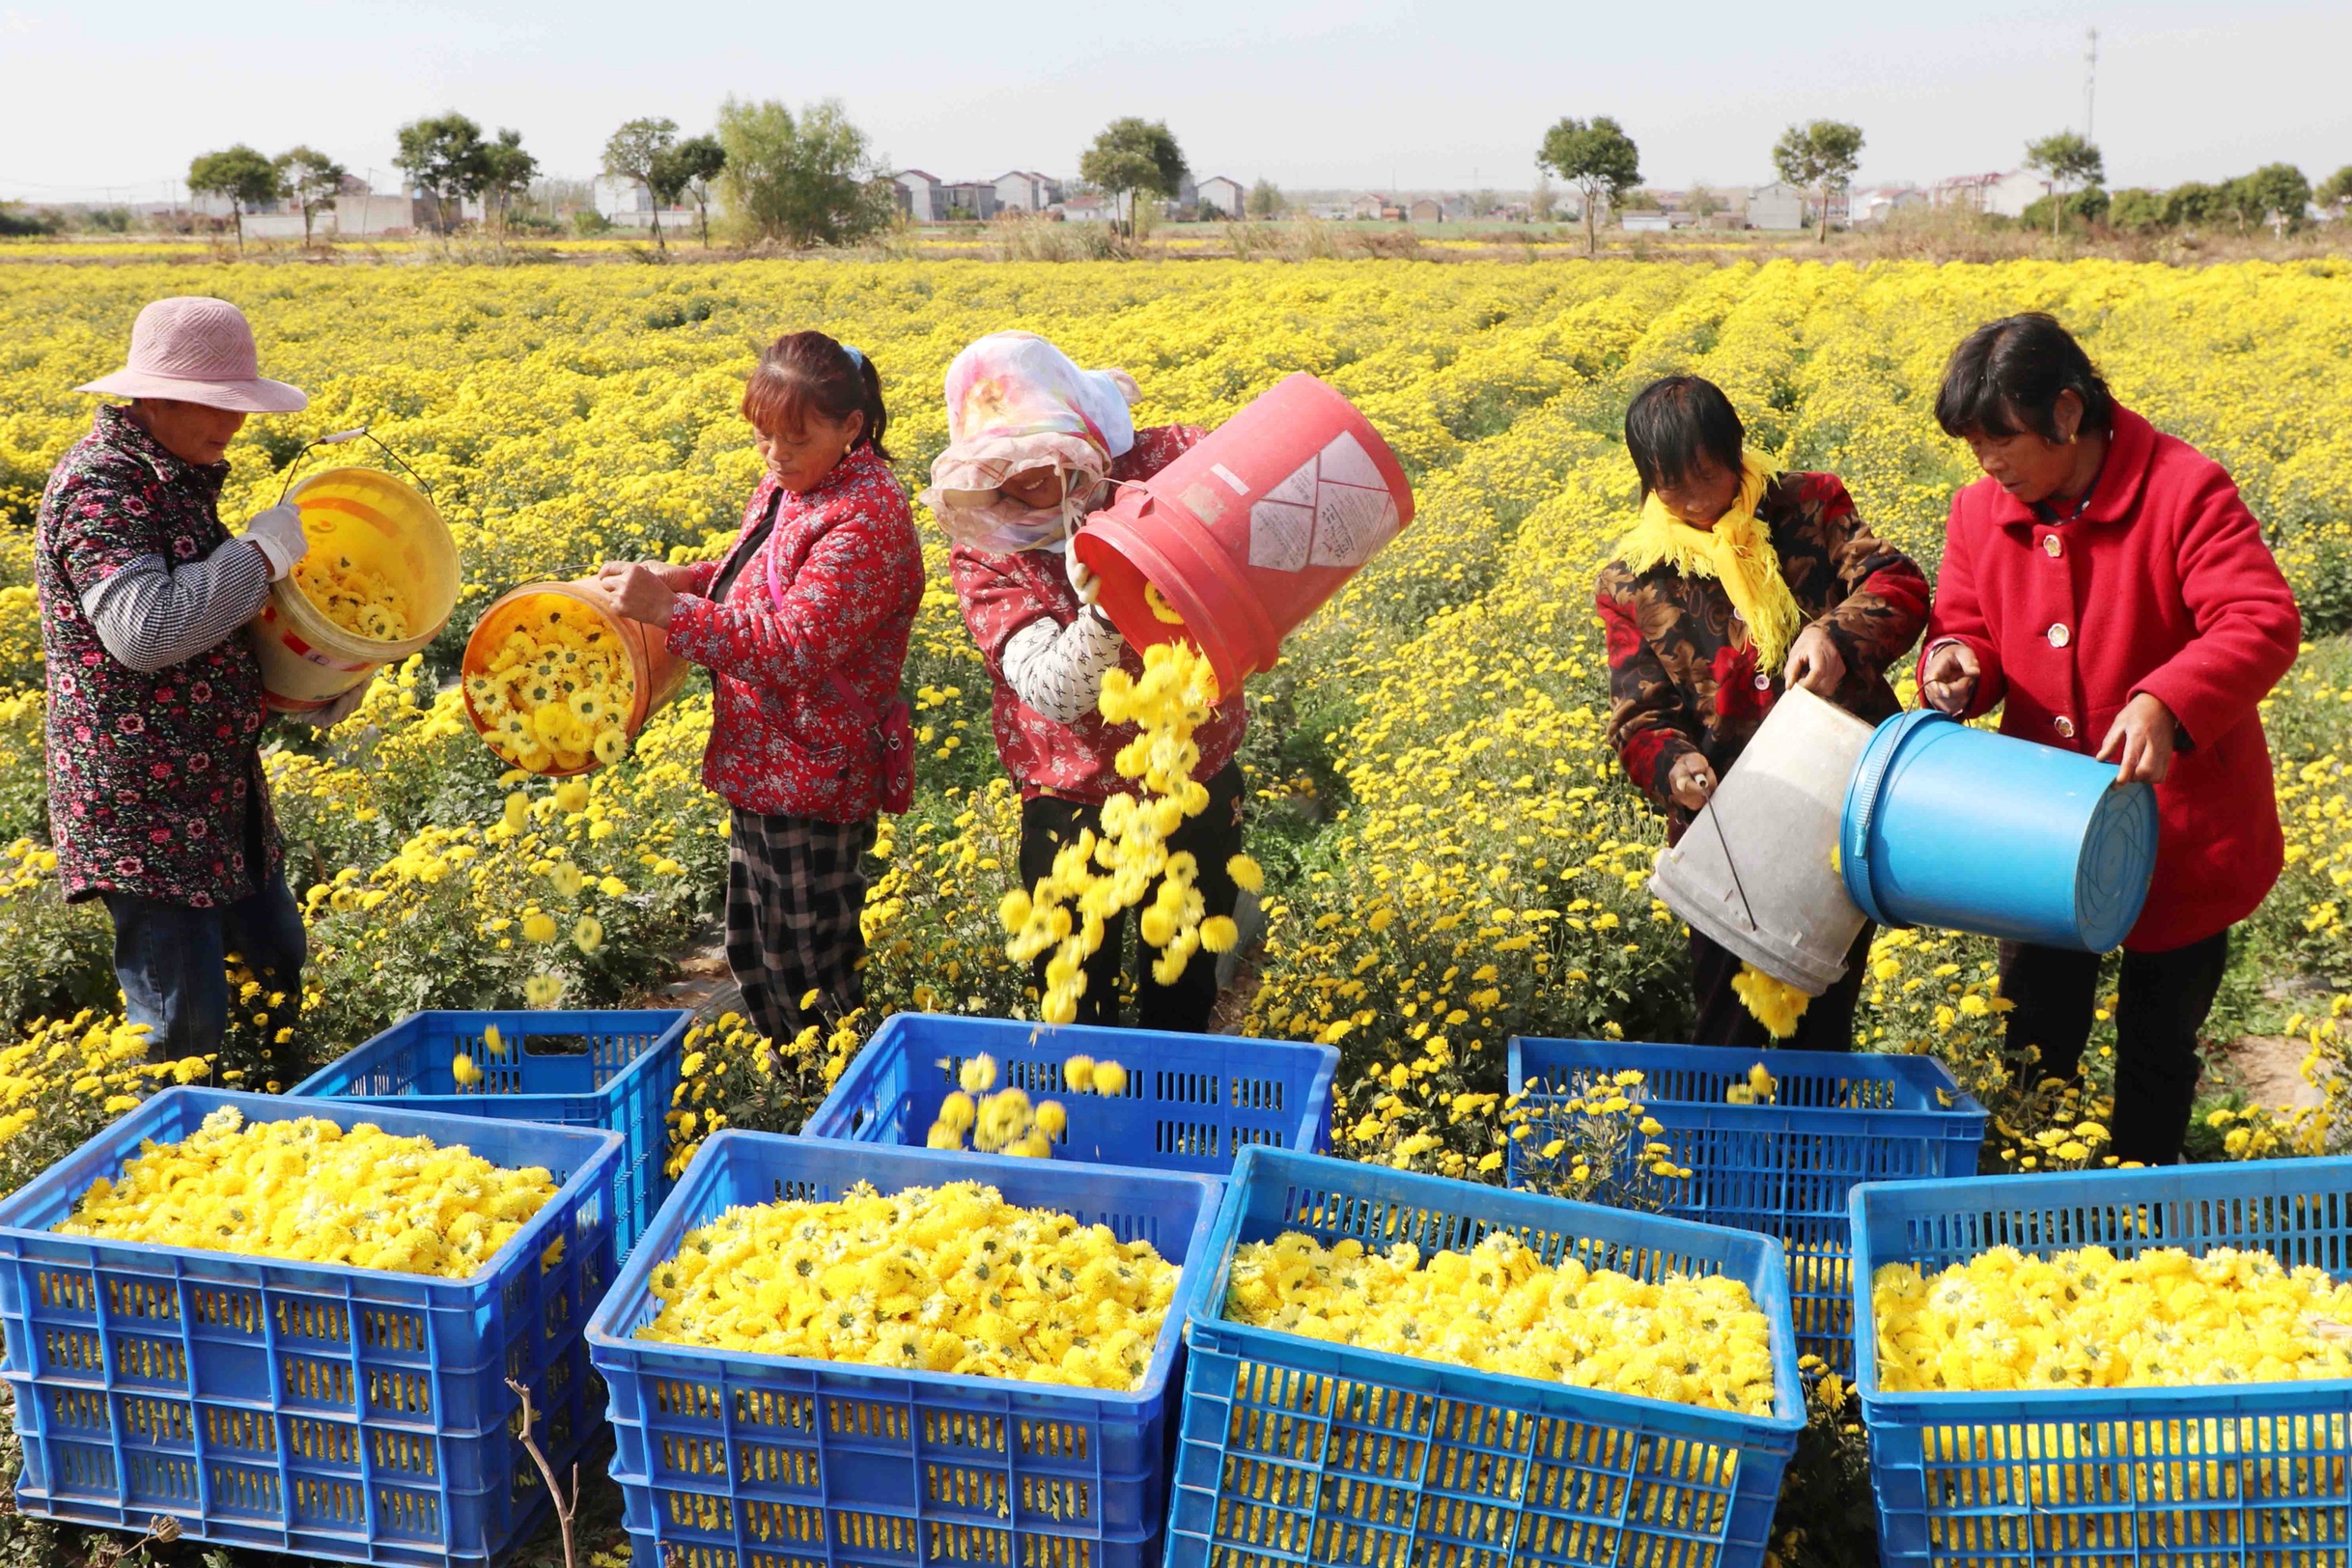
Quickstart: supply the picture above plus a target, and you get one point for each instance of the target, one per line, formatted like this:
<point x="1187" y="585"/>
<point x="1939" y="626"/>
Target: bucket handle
<point x="336" y="439"/>
<point x="1869" y="781"/>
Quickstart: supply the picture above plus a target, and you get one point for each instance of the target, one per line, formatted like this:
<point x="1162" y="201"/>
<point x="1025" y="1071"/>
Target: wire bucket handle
<point x="336" y="439"/>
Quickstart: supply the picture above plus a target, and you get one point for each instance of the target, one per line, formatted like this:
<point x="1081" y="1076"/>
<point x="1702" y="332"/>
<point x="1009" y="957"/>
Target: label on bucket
<point x="1333" y="510"/>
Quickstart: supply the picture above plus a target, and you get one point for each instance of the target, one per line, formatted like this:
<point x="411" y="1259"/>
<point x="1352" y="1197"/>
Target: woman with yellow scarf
<point x="1736" y="583"/>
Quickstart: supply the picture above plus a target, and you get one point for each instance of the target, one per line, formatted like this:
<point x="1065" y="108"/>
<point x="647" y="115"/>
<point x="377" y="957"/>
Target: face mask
<point x="1004" y="526"/>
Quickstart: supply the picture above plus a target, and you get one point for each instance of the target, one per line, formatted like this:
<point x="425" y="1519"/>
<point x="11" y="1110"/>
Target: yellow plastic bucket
<point x="381" y="524"/>
<point x="640" y="652"/>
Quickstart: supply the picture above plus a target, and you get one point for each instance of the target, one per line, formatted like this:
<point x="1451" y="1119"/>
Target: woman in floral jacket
<point x="1035" y="444"/>
<point x="803" y="625"/>
<point x="1737" y="583"/>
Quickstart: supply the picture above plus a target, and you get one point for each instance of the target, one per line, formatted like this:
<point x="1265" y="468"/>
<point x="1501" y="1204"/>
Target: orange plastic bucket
<point x="656" y="674"/>
<point x="1247" y="534"/>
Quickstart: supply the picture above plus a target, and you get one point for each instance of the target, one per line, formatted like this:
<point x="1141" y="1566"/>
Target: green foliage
<point x="446" y="158"/>
<point x="2276" y="193"/>
<point x="2081" y="209"/>
<point x="691" y="168"/>
<point x="2069" y="160"/>
<point x="16" y="223"/>
<point x="812" y="181"/>
<point x="2334" y="192"/>
<point x="241" y="175"/>
<point x="312" y="179"/>
<point x="1264" y="200"/>
<point x="640" y="151"/>
<point x="2136" y="209"/>
<point x="507" y="172"/>
<point x="1820" y="153"/>
<point x="1598" y="158"/>
<point x="1133" y="158"/>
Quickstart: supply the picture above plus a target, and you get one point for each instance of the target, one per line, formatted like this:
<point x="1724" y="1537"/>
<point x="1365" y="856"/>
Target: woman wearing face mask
<point x="1035" y="445"/>
<point x="1737" y="583"/>
<point x="2105" y="585"/>
<point x="803" y="625"/>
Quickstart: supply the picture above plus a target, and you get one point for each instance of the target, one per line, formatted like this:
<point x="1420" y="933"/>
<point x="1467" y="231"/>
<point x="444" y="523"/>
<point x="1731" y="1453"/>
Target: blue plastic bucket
<point x="1959" y="827"/>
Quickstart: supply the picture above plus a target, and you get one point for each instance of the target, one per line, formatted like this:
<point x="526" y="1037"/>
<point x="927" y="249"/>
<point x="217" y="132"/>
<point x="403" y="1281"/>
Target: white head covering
<point x="1014" y="402"/>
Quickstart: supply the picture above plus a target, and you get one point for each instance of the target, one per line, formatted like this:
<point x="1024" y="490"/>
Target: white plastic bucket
<point x="1756" y="871"/>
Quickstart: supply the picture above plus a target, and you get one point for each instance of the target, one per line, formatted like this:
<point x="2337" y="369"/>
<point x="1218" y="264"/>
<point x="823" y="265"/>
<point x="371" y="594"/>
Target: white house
<point x="971" y="198"/>
<point x="2007" y="194"/>
<point x="920" y="195"/>
<point x="1086" y="210"/>
<point x="1881" y="202"/>
<point x="1652" y="220"/>
<point x="1221" y="193"/>
<point x="1025" y="190"/>
<point x="1778" y="206"/>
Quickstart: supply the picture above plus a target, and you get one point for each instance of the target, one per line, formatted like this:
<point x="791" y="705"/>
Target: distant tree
<point x="2087" y="206"/>
<point x="312" y="180"/>
<point x="1265" y="201"/>
<point x="1134" y="159"/>
<point x="697" y="163"/>
<point x="241" y="175"/>
<point x="1638" y="200"/>
<point x="2135" y="211"/>
<point x="812" y="182"/>
<point x="1704" y="202"/>
<point x="2067" y="160"/>
<point x="2334" y="192"/>
<point x="446" y="158"/>
<point x="2195" y="201"/>
<point x="1543" y="200"/>
<point x="1598" y="158"/>
<point x="638" y="152"/>
<point x="2276" y="194"/>
<point x="1822" y="155"/>
<point x="507" y="173"/>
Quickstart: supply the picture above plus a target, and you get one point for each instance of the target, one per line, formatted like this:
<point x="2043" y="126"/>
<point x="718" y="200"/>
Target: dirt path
<point x="2270" y="1068"/>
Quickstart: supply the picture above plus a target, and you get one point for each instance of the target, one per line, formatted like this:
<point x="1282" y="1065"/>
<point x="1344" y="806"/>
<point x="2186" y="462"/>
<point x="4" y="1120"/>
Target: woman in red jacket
<point x="2105" y="585"/>
<point x="1035" y="444"/>
<point x="803" y="625"/>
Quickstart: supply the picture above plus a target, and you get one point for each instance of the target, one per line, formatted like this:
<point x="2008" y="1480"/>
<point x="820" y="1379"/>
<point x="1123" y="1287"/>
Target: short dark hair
<point x="1676" y="421"/>
<point x="809" y="369"/>
<point x="2007" y="377"/>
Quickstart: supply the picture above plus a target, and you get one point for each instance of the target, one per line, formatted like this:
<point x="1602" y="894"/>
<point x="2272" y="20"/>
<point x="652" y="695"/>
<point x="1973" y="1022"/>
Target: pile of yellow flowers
<point x="951" y="1279"/>
<point x="1099" y="877"/>
<point x="1500" y="1308"/>
<point x="1769" y="1001"/>
<point x="314" y="1193"/>
<point x="2088" y="1319"/>
<point x="1759" y="1089"/>
<point x="359" y="599"/>
<point x="1006" y="1121"/>
<point x="557" y="693"/>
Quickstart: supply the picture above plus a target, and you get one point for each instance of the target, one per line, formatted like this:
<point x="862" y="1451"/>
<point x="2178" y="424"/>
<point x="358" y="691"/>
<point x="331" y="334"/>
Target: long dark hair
<point x="1675" y="422"/>
<point x="2007" y="375"/>
<point x="803" y="371"/>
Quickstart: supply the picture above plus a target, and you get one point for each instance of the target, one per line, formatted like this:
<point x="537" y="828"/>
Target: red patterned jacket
<point x="1003" y="593"/>
<point x="847" y="571"/>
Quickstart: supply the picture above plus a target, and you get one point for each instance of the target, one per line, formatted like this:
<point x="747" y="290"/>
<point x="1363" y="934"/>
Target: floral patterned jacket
<point x="1003" y="593"/>
<point x="829" y="600"/>
<point x="155" y="786"/>
<point x="1682" y="673"/>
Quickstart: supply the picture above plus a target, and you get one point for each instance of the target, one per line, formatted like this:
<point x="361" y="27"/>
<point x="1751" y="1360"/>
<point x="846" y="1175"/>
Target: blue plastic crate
<point x="1192" y="1101"/>
<point x="311" y="1408"/>
<point x="727" y="1459"/>
<point x="1299" y="1452"/>
<point x="2236" y="1474"/>
<point x="614" y="1070"/>
<point x="1784" y="1169"/>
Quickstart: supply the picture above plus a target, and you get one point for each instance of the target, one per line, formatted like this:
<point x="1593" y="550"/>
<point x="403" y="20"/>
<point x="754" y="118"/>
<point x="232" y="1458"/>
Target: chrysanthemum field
<point x="1452" y="857"/>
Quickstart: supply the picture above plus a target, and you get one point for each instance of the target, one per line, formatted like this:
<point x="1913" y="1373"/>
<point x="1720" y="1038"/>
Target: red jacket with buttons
<point x="2162" y="584"/>
<point x="829" y="601"/>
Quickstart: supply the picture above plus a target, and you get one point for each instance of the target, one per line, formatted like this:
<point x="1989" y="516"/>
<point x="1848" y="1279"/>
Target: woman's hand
<point x="643" y="590"/>
<point x="2140" y="740"/>
<point x="1949" y="683"/>
<point x="1691" y="780"/>
<point x="1814" y="662"/>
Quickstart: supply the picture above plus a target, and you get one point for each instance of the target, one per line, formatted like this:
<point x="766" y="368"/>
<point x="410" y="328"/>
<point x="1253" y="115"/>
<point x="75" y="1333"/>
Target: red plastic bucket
<point x="1248" y="533"/>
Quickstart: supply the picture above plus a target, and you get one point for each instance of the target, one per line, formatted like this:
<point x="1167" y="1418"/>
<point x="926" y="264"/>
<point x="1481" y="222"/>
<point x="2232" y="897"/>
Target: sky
<point x="109" y="102"/>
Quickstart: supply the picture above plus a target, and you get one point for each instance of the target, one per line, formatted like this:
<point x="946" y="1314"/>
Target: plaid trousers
<point x="795" y="888"/>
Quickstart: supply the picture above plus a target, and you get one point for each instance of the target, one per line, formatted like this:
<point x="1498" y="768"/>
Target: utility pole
<point x="2090" y="87"/>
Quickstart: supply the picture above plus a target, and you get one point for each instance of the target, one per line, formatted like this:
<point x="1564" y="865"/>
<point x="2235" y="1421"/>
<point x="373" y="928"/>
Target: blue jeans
<point x="171" y="959"/>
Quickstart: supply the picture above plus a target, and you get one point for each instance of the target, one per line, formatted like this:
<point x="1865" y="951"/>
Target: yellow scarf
<point x="1737" y="551"/>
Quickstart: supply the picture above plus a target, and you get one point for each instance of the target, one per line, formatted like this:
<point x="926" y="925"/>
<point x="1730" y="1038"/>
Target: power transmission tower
<point x="2090" y="87"/>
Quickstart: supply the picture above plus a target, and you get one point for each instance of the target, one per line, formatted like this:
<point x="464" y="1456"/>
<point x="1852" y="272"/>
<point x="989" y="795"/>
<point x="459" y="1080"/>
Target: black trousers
<point x="1723" y="1019"/>
<point x="2160" y="1006"/>
<point x="1214" y="837"/>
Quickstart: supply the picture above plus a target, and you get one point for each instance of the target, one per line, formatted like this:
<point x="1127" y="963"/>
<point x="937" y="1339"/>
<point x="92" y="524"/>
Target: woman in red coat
<point x="803" y="625"/>
<point x="2105" y="585"/>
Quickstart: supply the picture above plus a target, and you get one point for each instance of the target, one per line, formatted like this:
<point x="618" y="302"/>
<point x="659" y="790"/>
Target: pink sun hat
<point x="195" y="350"/>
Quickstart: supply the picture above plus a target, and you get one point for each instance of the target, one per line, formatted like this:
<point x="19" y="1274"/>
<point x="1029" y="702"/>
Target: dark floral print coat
<point x="1682" y="673"/>
<point x="155" y="786"/>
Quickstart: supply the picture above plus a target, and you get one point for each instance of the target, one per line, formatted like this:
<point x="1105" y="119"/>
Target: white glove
<point x="277" y="534"/>
<point x="1083" y="581"/>
<point x="342" y="708"/>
